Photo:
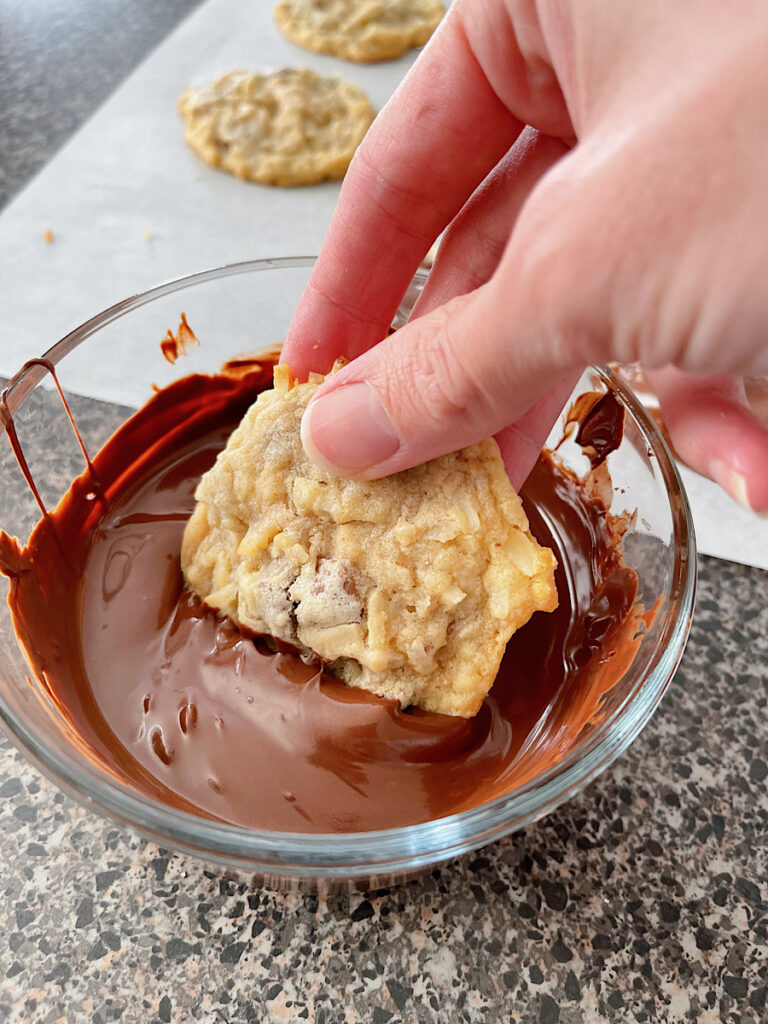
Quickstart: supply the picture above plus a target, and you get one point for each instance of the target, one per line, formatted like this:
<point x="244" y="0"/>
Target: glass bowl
<point x="245" y="307"/>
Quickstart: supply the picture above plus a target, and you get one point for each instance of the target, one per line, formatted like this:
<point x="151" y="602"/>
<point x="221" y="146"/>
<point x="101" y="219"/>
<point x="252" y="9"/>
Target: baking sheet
<point x="130" y="205"/>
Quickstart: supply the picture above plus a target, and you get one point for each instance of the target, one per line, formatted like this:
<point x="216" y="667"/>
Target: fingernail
<point x="734" y="483"/>
<point x="348" y="430"/>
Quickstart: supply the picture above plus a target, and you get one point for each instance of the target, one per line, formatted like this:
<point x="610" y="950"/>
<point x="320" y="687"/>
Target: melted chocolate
<point x="601" y="429"/>
<point x="188" y="710"/>
<point x="174" y="345"/>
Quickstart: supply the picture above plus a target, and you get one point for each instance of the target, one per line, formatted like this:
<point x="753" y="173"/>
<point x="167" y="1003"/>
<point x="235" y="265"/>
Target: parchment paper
<point x="127" y="174"/>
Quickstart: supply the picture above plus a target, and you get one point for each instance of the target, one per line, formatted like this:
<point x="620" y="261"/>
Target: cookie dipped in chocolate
<point x="189" y="711"/>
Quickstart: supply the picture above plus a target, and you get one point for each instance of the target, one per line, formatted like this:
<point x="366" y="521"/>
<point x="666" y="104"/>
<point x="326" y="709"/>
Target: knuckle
<point x="443" y="388"/>
<point x="563" y="259"/>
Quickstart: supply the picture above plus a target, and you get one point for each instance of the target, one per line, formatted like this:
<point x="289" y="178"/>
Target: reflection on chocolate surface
<point x="193" y="713"/>
<point x="601" y="429"/>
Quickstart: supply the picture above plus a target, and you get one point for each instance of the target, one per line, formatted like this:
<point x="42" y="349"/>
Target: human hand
<point x="627" y="227"/>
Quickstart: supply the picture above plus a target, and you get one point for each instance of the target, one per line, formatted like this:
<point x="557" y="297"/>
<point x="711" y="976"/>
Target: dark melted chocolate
<point x="188" y="710"/>
<point x="174" y="345"/>
<point x="601" y="429"/>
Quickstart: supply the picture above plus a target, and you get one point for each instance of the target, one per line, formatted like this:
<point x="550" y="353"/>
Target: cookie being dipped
<point x="409" y="586"/>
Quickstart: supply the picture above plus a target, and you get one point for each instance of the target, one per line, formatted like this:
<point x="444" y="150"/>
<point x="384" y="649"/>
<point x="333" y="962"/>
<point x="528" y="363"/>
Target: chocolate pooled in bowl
<point x="185" y="709"/>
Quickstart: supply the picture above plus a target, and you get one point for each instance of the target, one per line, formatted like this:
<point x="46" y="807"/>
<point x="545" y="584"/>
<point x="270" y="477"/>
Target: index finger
<point x="434" y="142"/>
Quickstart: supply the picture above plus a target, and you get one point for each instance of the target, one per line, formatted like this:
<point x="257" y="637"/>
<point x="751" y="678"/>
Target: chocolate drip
<point x="174" y="345"/>
<point x="48" y="365"/>
<point x="10" y="552"/>
<point x="6" y="420"/>
<point x="601" y="430"/>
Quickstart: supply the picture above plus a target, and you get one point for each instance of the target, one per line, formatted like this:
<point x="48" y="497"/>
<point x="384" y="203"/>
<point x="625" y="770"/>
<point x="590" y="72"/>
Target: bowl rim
<point x="387" y="851"/>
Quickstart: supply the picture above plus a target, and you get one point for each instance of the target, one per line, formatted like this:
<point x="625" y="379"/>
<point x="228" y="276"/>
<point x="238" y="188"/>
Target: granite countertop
<point x="642" y="899"/>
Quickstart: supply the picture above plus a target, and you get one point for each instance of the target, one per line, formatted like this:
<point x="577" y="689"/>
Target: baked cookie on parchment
<point x="290" y="127"/>
<point x="361" y="30"/>
<point x="409" y="586"/>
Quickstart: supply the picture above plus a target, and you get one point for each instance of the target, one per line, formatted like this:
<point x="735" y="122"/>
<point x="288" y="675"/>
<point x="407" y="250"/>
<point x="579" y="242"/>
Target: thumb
<point x="446" y="380"/>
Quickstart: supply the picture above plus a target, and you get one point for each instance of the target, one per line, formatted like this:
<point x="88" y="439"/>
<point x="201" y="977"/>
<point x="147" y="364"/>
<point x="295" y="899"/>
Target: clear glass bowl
<point x="246" y="307"/>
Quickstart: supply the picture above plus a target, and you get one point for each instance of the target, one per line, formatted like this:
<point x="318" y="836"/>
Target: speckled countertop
<point x="643" y="899"/>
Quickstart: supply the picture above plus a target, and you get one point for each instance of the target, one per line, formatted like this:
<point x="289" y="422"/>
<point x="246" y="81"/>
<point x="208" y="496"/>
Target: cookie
<point x="290" y="127"/>
<point x="361" y="30"/>
<point x="409" y="587"/>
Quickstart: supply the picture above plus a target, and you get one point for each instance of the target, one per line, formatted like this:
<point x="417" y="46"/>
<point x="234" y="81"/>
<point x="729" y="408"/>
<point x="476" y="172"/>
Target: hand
<point x="627" y="226"/>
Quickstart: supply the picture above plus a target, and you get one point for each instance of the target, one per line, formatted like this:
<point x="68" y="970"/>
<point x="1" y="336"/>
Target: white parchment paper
<point x="128" y="174"/>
